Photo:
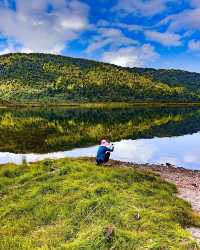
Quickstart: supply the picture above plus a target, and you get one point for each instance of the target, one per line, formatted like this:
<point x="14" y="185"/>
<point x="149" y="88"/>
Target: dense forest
<point x="173" y="77"/>
<point x="51" y="130"/>
<point x="45" y="78"/>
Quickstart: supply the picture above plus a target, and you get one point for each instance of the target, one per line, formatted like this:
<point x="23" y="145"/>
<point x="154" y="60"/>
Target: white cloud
<point x="39" y="30"/>
<point x="166" y="38"/>
<point x="194" y="45"/>
<point x="129" y="27"/>
<point x="142" y="7"/>
<point x="186" y="20"/>
<point x="131" y="56"/>
<point x="103" y="23"/>
<point x="11" y="46"/>
<point x="109" y="36"/>
<point x="194" y="3"/>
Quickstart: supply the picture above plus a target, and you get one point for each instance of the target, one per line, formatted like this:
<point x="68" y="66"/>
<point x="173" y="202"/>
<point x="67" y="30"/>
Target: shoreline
<point x="97" y="104"/>
<point x="187" y="182"/>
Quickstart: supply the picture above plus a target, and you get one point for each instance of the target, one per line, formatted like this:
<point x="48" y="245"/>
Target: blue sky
<point x="144" y="33"/>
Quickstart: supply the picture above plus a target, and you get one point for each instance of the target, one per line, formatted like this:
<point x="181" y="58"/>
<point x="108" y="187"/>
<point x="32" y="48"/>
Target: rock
<point x="137" y="216"/>
<point x="194" y="184"/>
<point x="109" y="232"/>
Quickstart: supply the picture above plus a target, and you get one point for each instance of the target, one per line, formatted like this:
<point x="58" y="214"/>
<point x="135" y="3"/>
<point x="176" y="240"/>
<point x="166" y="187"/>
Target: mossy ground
<point x="75" y="205"/>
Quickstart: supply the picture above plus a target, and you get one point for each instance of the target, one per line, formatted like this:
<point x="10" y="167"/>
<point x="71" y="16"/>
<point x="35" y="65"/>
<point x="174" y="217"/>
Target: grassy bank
<point x="76" y="205"/>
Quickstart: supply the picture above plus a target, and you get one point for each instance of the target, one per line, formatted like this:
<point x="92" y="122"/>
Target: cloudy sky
<point x="148" y="33"/>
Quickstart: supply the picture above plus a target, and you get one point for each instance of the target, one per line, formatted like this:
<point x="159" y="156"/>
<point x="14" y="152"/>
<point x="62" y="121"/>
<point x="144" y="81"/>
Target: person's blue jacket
<point x="102" y="151"/>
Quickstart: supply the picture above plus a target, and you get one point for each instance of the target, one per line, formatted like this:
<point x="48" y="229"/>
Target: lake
<point x="140" y="134"/>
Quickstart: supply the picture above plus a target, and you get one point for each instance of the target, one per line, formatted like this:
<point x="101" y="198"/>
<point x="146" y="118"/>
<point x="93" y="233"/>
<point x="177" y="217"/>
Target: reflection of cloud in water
<point x="193" y="157"/>
<point x="181" y="151"/>
<point x="17" y="158"/>
<point x="90" y="152"/>
<point x="39" y="157"/>
<point x="9" y="157"/>
<point x="135" y="151"/>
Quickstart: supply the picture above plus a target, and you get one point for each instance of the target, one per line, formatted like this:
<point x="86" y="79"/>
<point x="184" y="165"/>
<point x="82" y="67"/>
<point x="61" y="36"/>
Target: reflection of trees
<point x="62" y="129"/>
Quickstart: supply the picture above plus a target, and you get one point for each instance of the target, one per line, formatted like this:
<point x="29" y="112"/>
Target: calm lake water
<point x="140" y="134"/>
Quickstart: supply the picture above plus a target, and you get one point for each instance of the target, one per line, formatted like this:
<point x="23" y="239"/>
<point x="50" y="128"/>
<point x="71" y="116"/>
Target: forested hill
<point x="45" y="78"/>
<point x="173" y="77"/>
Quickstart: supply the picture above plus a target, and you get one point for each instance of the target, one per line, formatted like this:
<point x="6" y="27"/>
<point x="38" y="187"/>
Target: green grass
<point x="75" y="205"/>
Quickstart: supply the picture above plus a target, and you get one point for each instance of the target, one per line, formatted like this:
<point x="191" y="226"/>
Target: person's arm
<point x="110" y="148"/>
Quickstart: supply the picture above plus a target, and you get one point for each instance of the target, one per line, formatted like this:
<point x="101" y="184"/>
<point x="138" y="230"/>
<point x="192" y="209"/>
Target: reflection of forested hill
<point x="63" y="129"/>
<point x="43" y="78"/>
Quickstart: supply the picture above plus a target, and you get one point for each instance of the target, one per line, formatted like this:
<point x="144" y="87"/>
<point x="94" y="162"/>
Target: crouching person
<point x="103" y="153"/>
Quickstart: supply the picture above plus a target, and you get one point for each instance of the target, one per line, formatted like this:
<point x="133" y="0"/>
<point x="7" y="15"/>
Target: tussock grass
<point x="75" y="205"/>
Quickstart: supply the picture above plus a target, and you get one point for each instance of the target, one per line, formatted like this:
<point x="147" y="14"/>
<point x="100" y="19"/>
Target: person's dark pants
<point x="107" y="156"/>
<point x="106" y="159"/>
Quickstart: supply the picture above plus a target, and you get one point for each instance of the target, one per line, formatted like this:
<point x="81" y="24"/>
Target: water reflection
<point x="183" y="151"/>
<point x="154" y="135"/>
<point x="44" y="131"/>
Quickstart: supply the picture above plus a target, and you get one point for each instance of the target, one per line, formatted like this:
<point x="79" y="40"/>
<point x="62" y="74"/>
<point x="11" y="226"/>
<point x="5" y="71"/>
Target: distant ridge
<point x="172" y="77"/>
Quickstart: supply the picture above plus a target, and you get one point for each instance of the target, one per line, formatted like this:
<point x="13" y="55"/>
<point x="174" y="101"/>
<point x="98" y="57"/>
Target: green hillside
<point x="50" y="78"/>
<point x="172" y="77"/>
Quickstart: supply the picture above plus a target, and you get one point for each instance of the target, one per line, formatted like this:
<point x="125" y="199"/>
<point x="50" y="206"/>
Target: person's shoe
<point x="107" y="164"/>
